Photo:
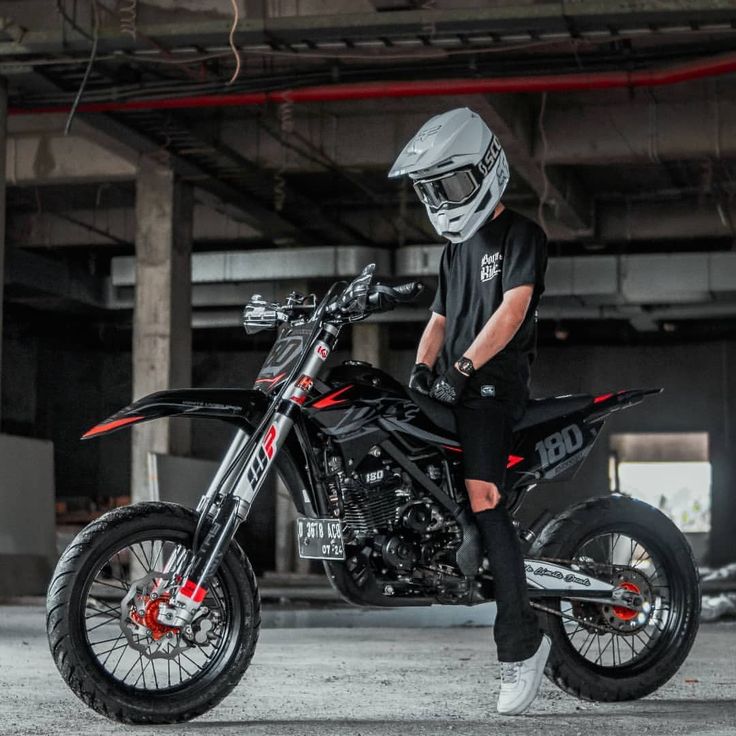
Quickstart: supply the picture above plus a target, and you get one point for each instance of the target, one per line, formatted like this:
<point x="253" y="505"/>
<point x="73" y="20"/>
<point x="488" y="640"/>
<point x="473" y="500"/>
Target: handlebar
<point x="348" y="307"/>
<point x="380" y="298"/>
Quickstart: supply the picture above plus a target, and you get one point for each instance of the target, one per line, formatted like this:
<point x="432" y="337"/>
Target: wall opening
<point x="670" y="471"/>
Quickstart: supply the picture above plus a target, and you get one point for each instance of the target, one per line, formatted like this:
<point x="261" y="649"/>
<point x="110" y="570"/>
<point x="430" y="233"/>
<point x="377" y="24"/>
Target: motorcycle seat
<point x="537" y="411"/>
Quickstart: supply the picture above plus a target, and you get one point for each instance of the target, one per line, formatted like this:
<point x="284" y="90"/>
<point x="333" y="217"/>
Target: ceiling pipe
<point x="688" y="71"/>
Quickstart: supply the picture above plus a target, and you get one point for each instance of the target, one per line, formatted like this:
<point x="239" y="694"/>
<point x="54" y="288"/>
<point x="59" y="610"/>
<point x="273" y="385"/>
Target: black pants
<point x="485" y="433"/>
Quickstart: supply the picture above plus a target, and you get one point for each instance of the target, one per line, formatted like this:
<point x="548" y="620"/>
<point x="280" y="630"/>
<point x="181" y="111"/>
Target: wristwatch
<point x="465" y="366"/>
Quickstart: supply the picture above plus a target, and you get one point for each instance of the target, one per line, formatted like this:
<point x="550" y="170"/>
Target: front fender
<point x="241" y="407"/>
<point x="235" y="405"/>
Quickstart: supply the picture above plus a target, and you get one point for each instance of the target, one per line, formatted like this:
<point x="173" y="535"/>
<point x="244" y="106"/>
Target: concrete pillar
<point x="3" y="138"/>
<point x="722" y="541"/>
<point x="370" y="343"/>
<point x="162" y="333"/>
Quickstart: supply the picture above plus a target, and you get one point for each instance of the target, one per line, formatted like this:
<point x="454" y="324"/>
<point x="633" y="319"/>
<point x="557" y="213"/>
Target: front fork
<point x="237" y="482"/>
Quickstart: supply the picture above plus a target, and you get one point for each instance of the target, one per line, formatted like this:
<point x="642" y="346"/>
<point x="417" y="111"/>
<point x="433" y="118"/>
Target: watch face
<point x="466" y="365"/>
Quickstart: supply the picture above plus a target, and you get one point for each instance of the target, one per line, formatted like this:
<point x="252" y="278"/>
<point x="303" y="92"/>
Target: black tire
<point x="69" y="639"/>
<point x="561" y="538"/>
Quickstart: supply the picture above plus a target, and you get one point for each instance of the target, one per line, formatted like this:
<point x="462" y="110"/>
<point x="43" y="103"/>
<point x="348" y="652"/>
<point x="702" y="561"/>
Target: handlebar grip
<point x="408" y="291"/>
<point x="384" y="296"/>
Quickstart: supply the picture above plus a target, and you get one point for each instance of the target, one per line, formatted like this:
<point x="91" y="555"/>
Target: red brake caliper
<point x="626" y="614"/>
<point x="150" y="618"/>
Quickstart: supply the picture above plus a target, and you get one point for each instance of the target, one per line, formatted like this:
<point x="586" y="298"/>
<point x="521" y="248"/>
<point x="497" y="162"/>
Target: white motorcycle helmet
<point x="459" y="171"/>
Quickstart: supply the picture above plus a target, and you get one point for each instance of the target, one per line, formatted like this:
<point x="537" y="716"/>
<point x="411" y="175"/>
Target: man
<point x="476" y="352"/>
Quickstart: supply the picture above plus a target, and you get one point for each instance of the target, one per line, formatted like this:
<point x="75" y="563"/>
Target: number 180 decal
<point x="559" y="445"/>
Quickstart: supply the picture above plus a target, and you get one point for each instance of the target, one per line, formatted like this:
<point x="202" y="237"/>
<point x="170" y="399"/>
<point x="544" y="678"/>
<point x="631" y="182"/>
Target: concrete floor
<point x="369" y="681"/>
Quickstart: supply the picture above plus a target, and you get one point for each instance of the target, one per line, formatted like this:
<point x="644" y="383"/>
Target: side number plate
<point x="320" y="539"/>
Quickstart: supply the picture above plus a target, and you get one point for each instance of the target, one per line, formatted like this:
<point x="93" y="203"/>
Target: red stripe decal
<point x="602" y="397"/>
<point x="513" y="460"/>
<point x="109" y="426"/>
<point x="452" y="449"/>
<point x="270" y="381"/>
<point x="190" y="589"/>
<point x="331" y="399"/>
<point x="269" y="440"/>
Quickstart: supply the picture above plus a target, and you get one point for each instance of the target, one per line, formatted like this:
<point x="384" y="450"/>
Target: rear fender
<point x="234" y="405"/>
<point x="606" y="404"/>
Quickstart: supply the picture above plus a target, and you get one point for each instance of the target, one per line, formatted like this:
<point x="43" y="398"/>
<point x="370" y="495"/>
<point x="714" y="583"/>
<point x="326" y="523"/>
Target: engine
<point x="372" y="498"/>
<point x="403" y="533"/>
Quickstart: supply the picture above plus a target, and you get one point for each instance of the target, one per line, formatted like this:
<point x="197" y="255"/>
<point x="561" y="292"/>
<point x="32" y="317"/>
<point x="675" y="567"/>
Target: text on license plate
<point x="320" y="539"/>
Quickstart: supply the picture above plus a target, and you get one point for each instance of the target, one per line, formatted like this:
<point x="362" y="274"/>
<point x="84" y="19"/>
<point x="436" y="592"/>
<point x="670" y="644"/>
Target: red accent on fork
<point x="269" y="439"/>
<point x="190" y="589"/>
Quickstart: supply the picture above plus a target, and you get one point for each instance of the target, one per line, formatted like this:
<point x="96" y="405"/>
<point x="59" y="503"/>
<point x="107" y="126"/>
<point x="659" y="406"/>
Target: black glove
<point x="421" y="378"/>
<point x="449" y="387"/>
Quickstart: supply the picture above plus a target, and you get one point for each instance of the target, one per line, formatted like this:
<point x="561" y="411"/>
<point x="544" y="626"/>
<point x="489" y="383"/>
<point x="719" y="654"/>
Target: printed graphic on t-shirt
<point x="490" y="266"/>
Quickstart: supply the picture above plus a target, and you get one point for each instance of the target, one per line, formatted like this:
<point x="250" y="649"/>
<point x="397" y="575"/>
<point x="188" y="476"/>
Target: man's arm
<point x="432" y="339"/>
<point x="501" y="327"/>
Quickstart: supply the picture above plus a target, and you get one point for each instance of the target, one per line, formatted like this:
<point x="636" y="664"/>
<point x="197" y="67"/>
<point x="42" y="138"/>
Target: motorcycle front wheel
<point x="607" y="652"/>
<point x="102" y="627"/>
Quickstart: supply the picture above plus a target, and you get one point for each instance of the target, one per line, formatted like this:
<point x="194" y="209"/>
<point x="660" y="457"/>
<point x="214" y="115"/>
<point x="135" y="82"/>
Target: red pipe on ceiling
<point x="688" y="71"/>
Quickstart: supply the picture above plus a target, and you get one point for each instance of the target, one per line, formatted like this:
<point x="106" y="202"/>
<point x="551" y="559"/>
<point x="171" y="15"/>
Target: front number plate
<point x="320" y="539"/>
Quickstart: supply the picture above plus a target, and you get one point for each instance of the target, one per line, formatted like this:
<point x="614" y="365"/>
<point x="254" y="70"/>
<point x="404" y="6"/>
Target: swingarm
<point x="568" y="580"/>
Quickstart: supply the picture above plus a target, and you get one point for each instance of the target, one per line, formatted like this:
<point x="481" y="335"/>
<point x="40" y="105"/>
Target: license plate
<point x="320" y="539"/>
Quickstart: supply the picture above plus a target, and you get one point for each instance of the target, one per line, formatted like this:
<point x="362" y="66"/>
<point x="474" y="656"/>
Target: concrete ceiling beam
<point x="639" y="130"/>
<point x="616" y="223"/>
<point x="112" y="227"/>
<point x="270" y="264"/>
<point x="57" y="159"/>
<point x="340" y="23"/>
<point x="687" y="286"/>
<point x="639" y="279"/>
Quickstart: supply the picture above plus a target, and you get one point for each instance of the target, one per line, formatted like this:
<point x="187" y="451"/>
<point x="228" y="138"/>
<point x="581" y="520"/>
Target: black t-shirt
<point x="506" y="252"/>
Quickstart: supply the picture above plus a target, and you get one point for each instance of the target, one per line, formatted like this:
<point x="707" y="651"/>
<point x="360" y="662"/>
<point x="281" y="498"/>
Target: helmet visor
<point x="448" y="189"/>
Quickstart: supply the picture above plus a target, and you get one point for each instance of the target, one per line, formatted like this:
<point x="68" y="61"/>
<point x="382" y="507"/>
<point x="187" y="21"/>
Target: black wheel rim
<point x="107" y="585"/>
<point x="594" y="635"/>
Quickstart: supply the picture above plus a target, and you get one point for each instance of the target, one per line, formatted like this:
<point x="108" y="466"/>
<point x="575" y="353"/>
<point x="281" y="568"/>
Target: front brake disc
<point x="139" y="622"/>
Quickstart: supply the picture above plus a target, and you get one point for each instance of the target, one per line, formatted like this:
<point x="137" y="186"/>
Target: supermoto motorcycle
<point x="153" y="610"/>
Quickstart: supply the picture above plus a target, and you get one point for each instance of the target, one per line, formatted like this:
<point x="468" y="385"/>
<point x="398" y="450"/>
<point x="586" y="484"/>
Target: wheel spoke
<point x="640" y="566"/>
<point x="132" y="658"/>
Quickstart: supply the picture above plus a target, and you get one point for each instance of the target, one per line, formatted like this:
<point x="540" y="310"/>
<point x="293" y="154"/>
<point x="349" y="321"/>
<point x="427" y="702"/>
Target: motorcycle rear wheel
<point x="583" y="659"/>
<point x="86" y="636"/>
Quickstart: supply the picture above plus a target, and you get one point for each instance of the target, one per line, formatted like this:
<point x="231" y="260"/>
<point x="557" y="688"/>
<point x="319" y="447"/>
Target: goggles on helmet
<point x="456" y="187"/>
<point x="452" y="188"/>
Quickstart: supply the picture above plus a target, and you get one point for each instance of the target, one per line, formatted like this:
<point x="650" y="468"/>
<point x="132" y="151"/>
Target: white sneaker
<point x="520" y="681"/>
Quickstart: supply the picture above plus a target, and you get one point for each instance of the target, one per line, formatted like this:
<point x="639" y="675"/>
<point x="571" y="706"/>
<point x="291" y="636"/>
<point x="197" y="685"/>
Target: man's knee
<point x="483" y="495"/>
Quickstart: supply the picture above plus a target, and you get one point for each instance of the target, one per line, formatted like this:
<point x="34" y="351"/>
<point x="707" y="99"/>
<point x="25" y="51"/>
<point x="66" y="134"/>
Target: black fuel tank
<point x="361" y="394"/>
<point x="360" y="372"/>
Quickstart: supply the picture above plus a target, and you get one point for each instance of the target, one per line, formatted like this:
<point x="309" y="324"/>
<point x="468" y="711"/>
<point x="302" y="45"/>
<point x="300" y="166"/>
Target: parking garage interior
<point x="161" y="161"/>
